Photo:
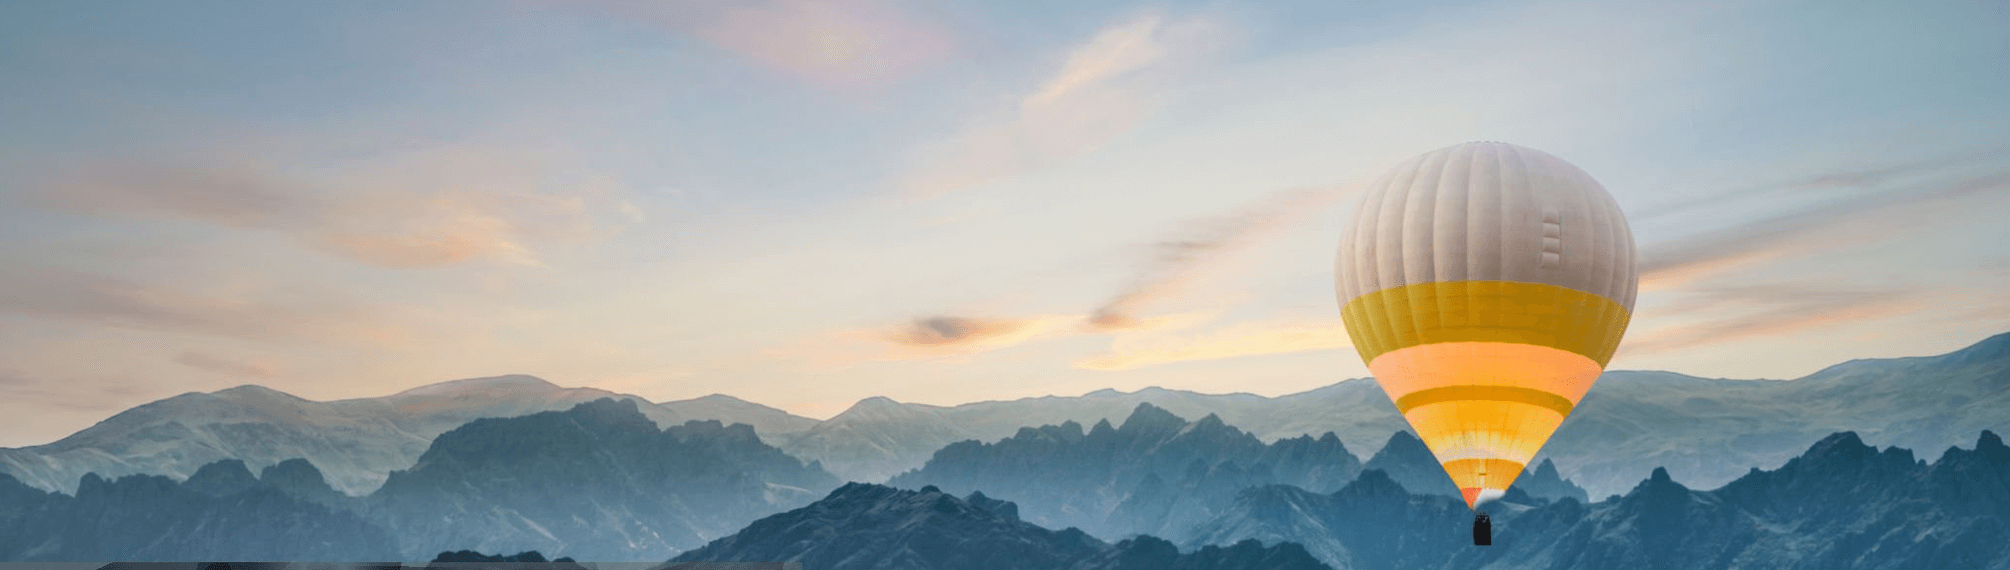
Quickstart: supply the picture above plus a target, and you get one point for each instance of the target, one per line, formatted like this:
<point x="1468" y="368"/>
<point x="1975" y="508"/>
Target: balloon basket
<point x="1483" y="530"/>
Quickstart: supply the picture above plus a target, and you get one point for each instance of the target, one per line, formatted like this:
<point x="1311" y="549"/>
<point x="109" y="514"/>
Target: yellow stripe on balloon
<point x="1457" y="430"/>
<point x="1485" y="311"/>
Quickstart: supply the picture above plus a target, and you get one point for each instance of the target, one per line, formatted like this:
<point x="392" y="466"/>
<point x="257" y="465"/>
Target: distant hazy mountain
<point x="1842" y="504"/>
<point x="1155" y="471"/>
<point x="879" y="438"/>
<point x="862" y="526"/>
<point x="1705" y="431"/>
<point x="222" y="512"/>
<point x="1544" y="482"/>
<point x="354" y="442"/>
<point x="1708" y="432"/>
<point x="596" y="482"/>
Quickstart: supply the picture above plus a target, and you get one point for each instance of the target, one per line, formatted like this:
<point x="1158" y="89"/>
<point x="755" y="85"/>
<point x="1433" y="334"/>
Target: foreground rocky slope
<point x="862" y="526"/>
<point x="1841" y="504"/>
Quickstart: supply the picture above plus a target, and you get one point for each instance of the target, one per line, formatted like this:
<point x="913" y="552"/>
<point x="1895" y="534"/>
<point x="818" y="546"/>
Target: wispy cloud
<point x="1169" y="265"/>
<point x="70" y="394"/>
<point x="1865" y="216"/>
<point x="1844" y="179"/>
<point x="429" y="209"/>
<point x="847" y="44"/>
<point x="264" y="316"/>
<point x="250" y="368"/>
<point x="1102" y="90"/>
<point x="1176" y="261"/>
<point x="1246" y="339"/>
<point x="1769" y="310"/>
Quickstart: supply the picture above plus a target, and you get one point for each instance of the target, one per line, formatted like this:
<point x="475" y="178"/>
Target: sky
<point x="807" y="203"/>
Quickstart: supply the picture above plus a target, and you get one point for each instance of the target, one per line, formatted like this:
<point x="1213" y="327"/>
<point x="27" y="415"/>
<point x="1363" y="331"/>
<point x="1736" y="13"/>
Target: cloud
<point x="1247" y="339"/>
<point x="1867" y="216"/>
<point x="70" y="394"/>
<point x="1780" y="308"/>
<point x="1103" y="89"/>
<point x="428" y="209"/>
<point x="942" y="331"/>
<point x="274" y="315"/>
<point x="927" y="338"/>
<point x="1180" y="258"/>
<point x="232" y="367"/>
<point x="846" y="44"/>
<point x="1856" y="178"/>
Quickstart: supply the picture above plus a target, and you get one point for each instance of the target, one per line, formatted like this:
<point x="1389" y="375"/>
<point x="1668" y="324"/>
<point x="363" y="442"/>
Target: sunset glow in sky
<point x="806" y="203"/>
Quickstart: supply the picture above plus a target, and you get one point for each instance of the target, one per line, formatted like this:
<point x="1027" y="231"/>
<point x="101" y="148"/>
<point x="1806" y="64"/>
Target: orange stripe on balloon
<point x="1423" y="367"/>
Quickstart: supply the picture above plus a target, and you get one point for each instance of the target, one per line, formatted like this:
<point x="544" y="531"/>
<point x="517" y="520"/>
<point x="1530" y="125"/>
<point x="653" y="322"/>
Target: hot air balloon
<point x="1486" y="285"/>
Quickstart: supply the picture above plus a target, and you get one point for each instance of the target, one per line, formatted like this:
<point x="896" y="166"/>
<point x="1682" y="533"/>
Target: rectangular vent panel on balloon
<point x="1552" y="239"/>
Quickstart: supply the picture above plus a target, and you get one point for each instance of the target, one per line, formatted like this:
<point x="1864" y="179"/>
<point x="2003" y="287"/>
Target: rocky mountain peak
<point x="222" y="478"/>
<point x="1374" y="483"/>
<point x="1153" y="419"/>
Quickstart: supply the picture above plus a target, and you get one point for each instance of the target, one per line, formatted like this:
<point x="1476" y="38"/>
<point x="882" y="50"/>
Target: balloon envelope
<point x="1486" y="286"/>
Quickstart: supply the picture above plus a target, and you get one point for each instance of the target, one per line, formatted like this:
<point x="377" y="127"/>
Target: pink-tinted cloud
<point x="1767" y="310"/>
<point x="1843" y="179"/>
<point x="74" y="394"/>
<point x="849" y="44"/>
<point x="1104" y="88"/>
<point x="429" y="209"/>
<point x="286" y="316"/>
<point x="1182" y="256"/>
<point x="1853" y="219"/>
<point x="249" y="368"/>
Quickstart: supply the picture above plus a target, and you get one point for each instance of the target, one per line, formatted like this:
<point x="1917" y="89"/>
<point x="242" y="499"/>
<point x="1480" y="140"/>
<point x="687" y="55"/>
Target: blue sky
<point x="805" y="204"/>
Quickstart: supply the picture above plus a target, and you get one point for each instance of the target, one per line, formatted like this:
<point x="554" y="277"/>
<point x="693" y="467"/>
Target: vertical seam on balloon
<point x="1616" y="279"/>
<point x="1513" y="179"/>
<point x="1618" y="258"/>
<point x="1381" y="323"/>
<point x="1438" y="193"/>
<point x="1584" y="200"/>
<point x="1403" y="234"/>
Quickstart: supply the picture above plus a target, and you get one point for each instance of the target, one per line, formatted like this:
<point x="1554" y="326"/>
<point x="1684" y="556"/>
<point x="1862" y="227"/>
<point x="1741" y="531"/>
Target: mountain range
<point x="221" y="512"/>
<point x="1707" y="431"/>
<point x="1841" y="504"/>
<point x="1157" y="469"/>
<point x="356" y="443"/>
<point x="1704" y="431"/>
<point x="598" y="481"/>
<point x="1159" y="474"/>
